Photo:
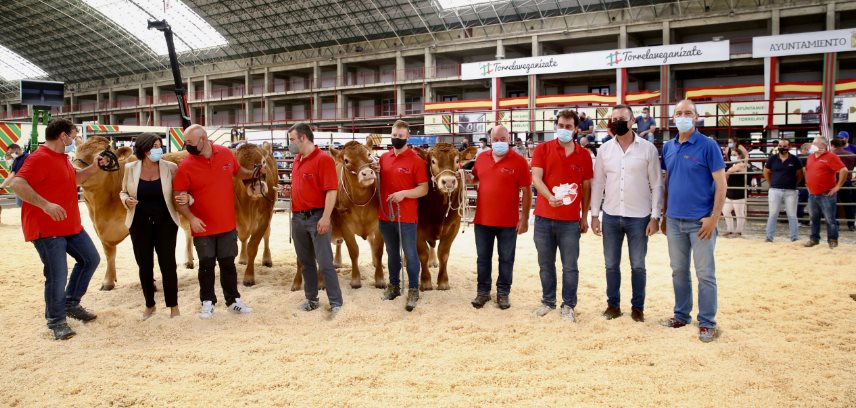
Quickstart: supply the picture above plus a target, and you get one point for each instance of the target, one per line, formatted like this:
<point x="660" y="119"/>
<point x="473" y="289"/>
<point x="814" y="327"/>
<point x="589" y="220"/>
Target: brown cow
<point x="355" y="212"/>
<point x="101" y="193"/>
<point x="254" y="202"/>
<point x="440" y="210"/>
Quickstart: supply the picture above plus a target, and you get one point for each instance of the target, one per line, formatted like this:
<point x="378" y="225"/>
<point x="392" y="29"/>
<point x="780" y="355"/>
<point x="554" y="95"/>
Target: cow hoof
<point x="296" y="287"/>
<point x="249" y="283"/>
<point x="321" y="286"/>
<point x="268" y="264"/>
<point x="337" y="265"/>
<point x="356" y="284"/>
<point x="433" y="265"/>
<point x="380" y="285"/>
<point x="107" y="286"/>
<point x="426" y="286"/>
<point x="443" y="286"/>
<point x="188" y="265"/>
<point x="242" y="261"/>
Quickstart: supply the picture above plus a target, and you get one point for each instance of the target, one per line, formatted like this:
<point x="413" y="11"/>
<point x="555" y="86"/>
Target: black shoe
<point x="480" y="301"/>
<point x="810" y="243"/>
<point x="672" y="322"/>
<point x="62" y="332"/>
<point x="412" y="298"/>
<point x="637" y="315"/>
<point x="391" y="292"/>
<point x="79" y="313"/>
<point x="611" y="312"/>
<point x="503" y="302"/>
<point x="833" y="243"/>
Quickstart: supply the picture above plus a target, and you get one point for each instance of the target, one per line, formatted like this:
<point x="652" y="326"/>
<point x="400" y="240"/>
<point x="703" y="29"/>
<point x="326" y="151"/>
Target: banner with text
<point x="596" y="60"/>
<point x="818" y="42"/>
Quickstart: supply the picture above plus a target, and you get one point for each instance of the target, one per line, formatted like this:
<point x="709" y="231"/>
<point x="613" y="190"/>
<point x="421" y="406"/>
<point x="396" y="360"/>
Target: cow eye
<point x="347" y="161"/>
<point x="434" y="161"/>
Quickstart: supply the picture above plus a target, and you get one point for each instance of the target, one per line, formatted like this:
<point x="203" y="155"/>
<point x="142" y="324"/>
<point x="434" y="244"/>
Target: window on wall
<point x="387" y="107"/>
<point x="449" y="98"/>
<point x="412" y="105"/>
<point x="600" y="90"/>
<point x="516" y="94"/>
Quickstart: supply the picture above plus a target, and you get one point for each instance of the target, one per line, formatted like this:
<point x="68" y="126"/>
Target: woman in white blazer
<point x="152" y="219"/>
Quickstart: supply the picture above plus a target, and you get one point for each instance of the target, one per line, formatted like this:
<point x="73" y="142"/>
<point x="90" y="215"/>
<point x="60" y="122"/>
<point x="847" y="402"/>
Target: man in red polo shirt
<point x="562" y="173"/>
<point x="403" y="179"/>
<point x="503" y="176"/>
<point x="313" y="197"/>
<point x="820" y="179"/>
<point x="207" y="174"/>
<point x="47" y="184"/>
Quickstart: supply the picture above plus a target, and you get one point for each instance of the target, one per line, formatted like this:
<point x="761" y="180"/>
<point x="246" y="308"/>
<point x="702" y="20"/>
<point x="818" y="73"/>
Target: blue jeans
<point x="19" y="202"/>
<point x="682" y="236"/>
<point x="506" y="242"/>
<point x="53" y="252"/>
<point x="614" y="230"/>
<point x="564" y="235"/>
<point x="389" y="231"/>
<point x="825" y="205"/>
<point x="775" y="196"/>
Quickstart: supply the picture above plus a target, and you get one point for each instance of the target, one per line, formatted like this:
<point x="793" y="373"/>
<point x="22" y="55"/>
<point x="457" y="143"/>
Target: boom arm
<point x="180" y="92"/>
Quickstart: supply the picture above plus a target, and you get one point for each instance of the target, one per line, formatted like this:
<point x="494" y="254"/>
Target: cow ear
<point x="370" y="142"/>
<point x="335" y="153"/>
<point x="469" y="154"/>
<point x="124" y="152"/>
<point x="267" y="147"/>
<point x="421" y="153"/>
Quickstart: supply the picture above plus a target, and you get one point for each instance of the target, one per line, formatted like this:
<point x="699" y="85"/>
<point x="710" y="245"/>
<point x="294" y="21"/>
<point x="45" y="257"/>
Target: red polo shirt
<point x="401" y="172"/>
<point x="209" y="181"/>
<point x="820" y="172"/>
<point x="560" y="169"/>
<point x="498" y="200"/>
<point x="311" y="178"/>
<point x="51" y="176"/>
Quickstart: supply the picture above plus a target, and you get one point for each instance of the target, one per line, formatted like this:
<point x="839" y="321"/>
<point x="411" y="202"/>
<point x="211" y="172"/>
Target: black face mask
<point x="398" y="143"/>
<point x="783" y="150"/>
<point x="194" y="150"/>
<point x="619" y="127"/>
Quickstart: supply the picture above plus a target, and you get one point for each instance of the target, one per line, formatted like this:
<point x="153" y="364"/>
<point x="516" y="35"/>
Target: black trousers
<point x="150" y="235"/>
<point x="218" y="249"/>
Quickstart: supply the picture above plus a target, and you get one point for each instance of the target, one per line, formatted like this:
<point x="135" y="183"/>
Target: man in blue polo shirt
<point x="18" y="157"/>
<point x="586" y="127"/>
<point x="695" y="194"/>
<point x="646" y="125"/>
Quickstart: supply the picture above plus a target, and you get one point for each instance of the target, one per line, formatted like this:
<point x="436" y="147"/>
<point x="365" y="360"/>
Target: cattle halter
<point x="258" y="178"/>
<point x="112" y="161"/>
<point x="461" y="209"/>
<point x="345" y="187"/>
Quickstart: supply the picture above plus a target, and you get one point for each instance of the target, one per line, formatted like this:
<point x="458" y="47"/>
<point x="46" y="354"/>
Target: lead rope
<point x="345" y="188"/>
<point x="394" y="214"/>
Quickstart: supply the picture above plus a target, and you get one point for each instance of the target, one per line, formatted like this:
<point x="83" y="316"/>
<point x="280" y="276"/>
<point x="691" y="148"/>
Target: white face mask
<point x="813" y="149"/>
<point x="734" y="158"/>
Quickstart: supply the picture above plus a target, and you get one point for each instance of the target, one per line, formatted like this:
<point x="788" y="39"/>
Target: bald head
<point x="196" y="140"/>
<point x="499" y="134"/>
<point x="195" y="132"/>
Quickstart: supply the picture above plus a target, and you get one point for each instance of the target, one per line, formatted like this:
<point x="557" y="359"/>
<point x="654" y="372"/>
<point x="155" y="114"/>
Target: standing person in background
<point x="152" y="219"/>
<point x="735" y="196"/>
<point x="802" y="191"/>
<point x="845" y="195"/>
<point x="18" y="157"/>
<point x="824" y="175"/>
<point x="50" y="217"/>
<point x="695" y="195"/>
<point x="844" y="135"/>
<point x="562" y="173"/>
<point x="483" y="147"/>
<point x="783" y="171"/>
<point x="519" y="148"/>
<point x="646" y="126"/>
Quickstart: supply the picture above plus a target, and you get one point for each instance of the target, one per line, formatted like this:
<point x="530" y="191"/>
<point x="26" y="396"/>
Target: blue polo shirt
<point x="643" y="124"/>
<point x="19" y="162"/>
<point x="586" y="124"/>
<point x="690" y="166"/>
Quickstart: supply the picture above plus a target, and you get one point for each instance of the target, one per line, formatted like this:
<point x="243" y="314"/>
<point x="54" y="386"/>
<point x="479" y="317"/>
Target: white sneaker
<point x="207" y="310"/>
<point x="543" y="310"/>
<point x="568" y="314"/>
<point x="240" y="307"/>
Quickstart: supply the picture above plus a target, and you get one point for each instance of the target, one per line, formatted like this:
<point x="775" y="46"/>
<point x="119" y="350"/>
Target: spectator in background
<point x="734" y="144"/>
<point x="820" y="178"/>
<point x="519" y="148"/>
<point x="783" y="171"/>
<point x="464" y="145"/>
<point x="584" y="143"/>
<point x="646" y="125"/>
<point x="483" y="147"/>
<point x="530" y="147"/>
<point x="18" y="157"/>
<point x="586" y="127"/>
<point x="802" y="192"/>
<point x="844" y="135"/>
<point x="845" y="196"/>
<point x="735" y="196"/>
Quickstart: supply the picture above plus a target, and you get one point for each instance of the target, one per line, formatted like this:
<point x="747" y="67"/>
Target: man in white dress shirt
<point x="628" y="187"/>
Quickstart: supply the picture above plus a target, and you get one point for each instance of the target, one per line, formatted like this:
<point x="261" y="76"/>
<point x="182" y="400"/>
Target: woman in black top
<point x="152" y="219"/>
<point x="735" y="195"/>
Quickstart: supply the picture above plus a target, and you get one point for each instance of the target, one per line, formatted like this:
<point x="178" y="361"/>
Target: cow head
<point x="356" y="159"/>
<point x="87" y="152"/>
<point x="444" y="161"/>
<point x="249" y="156"/>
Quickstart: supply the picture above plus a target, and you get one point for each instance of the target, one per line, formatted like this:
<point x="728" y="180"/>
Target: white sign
<point x="596" y="60"/>
<point x="817" y="42"/>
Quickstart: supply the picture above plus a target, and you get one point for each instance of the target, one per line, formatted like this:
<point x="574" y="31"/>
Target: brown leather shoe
<point x="611" y="312"/>
<point x="706" y="334"/>
<point x="810" y="243"/>
<point x="480" y="301"/>
<point x="637" y="315"/>
<point x="503" y="302"/>
<point x="833" y="243"/>
<point x="673" y="323"/>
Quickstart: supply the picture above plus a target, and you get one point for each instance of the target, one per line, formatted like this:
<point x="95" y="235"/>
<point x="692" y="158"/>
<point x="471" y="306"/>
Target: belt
<point x="307" y="213"/>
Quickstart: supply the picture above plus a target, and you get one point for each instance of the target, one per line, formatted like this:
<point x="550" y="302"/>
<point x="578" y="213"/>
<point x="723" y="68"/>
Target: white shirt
<point x="630" y="183"/>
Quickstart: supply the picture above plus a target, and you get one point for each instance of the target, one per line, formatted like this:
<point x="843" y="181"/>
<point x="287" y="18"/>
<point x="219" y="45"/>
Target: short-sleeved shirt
<point x="498" y="201"/>
<point x="820" y="172"/>
<point x="585" y="124"/>
<point x="850" y="148"/>
<point x="783" y="173"/>
<point x="559" y="169"/>
<point x="51" y="176"/>
<point x="311" y="178"/>
<point x="690" y="166"/>
<point x="643" y="124"/>
<point x="849" y="160"/>
<point x="19" y="162"/>
<point x="399" y="172"/>
<point x="209" y="181"/>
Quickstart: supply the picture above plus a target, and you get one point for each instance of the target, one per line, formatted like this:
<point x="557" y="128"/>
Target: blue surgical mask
<point x="155" y="154"/>
<point x="70" y="148"/>
<point x="731" y="145"/>
<point x="564" y="135"/>
<point x="684" y="124"/>
<point x="293" y="148"/>
<point x="500" y="148"/>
